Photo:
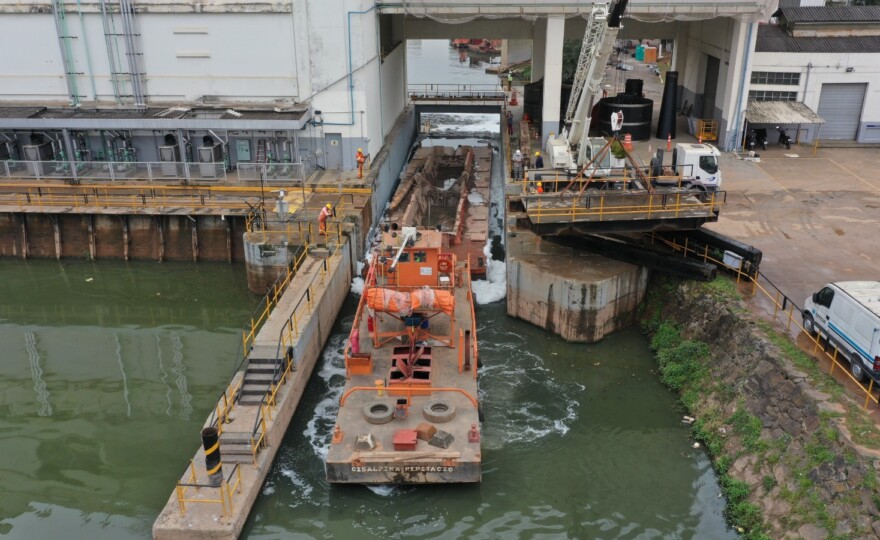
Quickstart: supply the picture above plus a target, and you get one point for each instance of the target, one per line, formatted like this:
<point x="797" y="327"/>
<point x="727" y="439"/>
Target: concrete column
<point x="93" y="241"/>
<point x="552" y="77"/>
<point x="539" y="39"/>
<point x="505" y="44"/>
<point x="735" y="97"/>
<point x="56" y="226"/>
<point x="126" y="237"/>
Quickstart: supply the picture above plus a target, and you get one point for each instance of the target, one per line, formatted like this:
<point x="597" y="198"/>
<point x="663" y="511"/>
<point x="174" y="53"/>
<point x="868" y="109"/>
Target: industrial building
<point x="244" y="90"/>
<point x="826" y="58"/>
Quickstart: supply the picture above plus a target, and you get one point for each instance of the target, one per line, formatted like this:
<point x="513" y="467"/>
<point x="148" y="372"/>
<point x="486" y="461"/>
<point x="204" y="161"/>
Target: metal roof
<point x="832" y="14"/>
<point x="781" y="112"/>
<point x="772" y="38"/>
<point x="865" y="292"/>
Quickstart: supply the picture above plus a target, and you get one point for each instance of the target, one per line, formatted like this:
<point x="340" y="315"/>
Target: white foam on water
<point x="494" y="287"/>
<point x="510" y="371"/>
<point x="332" y="370"/>
<point x="474" y="197"/>
<point x="382" y="490"/>
<point x="304" y="488"/>
<point x="268" y="490"/>
<point x="357" y="285"/>
<point x="463" y="123"/>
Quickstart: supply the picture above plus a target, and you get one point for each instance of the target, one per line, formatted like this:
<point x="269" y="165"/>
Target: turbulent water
<point x="578" y="442"/>
<point x="109" y="370"/>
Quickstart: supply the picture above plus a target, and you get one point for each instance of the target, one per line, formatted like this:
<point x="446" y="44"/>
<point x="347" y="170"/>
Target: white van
<point x="847" y="313"/>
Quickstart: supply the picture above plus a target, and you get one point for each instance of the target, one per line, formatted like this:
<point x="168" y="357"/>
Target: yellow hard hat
<point x="537" y="153"/>
<point x="360" y="149"/>
<point x="539" y="184"/>
<point x="329" y="205"/>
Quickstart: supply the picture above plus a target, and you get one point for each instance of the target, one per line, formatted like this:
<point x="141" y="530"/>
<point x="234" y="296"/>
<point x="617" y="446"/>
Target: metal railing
<point x="274" y="172"/>
<point x="112" y="171"/>
<point x="474" y="92"/>
<point x="226" y="489"/>
<point x="784" y="308"/>
<point x="49" y="197"/>
<point x="608" y="205"/>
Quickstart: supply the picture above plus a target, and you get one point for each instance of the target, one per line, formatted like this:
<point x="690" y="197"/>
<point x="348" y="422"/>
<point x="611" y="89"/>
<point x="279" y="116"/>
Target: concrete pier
<point x="305" y="314"/>
<point x="575" y="294"/>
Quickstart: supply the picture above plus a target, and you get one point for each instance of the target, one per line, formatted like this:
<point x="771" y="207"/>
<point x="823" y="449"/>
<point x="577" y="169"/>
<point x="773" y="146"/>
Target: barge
<point x="409" y="413"/>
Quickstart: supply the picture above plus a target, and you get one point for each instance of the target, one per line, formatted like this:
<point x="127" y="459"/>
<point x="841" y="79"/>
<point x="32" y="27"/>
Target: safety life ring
<point x="444" y="266"/>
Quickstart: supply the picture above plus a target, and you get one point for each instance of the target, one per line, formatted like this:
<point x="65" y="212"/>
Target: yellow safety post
<point x="868" y="395"/>
<point x="380" y="385"/>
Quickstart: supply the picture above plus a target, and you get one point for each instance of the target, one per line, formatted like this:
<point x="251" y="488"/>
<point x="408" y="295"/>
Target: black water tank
<point x="634" y="87"/>
<point x="637" y="115"/>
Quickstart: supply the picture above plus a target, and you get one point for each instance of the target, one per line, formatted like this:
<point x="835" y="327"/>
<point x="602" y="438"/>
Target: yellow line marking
<point x="215" y="469"/>
<point x="860" y="179"/>
<point x="213" y="448"/>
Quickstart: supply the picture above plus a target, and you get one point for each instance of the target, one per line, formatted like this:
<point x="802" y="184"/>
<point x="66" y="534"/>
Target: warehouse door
<point x="841" y="107"/>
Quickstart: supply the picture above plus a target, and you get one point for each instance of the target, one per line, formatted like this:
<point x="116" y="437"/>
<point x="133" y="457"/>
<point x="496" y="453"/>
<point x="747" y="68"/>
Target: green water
<point x="107" y="372"/>
<point x="107" y="382"/>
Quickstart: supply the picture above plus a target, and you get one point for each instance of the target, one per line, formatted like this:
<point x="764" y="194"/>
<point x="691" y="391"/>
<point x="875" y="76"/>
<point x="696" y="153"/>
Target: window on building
<point x="772" y="77"/>
<point x="771" y="95"/>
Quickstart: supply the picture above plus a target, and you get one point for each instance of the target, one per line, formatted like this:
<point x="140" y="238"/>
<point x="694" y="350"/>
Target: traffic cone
<point x="669" y="142"/>
<point x="513" y="101"/>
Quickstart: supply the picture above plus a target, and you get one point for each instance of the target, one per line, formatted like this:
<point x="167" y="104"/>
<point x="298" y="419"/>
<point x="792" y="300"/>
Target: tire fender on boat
<point x="438" y="411"/>
<point x="378" y="412"/>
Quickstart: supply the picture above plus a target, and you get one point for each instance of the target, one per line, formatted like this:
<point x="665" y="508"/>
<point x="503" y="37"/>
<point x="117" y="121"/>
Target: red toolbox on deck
<point x="405" y="439"/>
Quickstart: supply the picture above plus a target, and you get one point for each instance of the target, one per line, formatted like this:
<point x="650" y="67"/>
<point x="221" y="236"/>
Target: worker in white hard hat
<point x="517" y="165"/>
<point x="326" y="212"/>
<point x="361" y="158"/>
<point x="539" y="161"/>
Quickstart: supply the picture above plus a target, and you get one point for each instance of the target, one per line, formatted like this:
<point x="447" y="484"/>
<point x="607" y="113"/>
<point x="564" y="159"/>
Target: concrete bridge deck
<point x="251" y="434"/>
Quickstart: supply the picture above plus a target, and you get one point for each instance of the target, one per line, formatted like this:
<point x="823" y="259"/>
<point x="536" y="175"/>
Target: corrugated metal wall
<point x="841" y="107"/>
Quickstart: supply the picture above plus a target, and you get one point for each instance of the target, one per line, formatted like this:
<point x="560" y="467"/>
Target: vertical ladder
<point x="261" y="151"/>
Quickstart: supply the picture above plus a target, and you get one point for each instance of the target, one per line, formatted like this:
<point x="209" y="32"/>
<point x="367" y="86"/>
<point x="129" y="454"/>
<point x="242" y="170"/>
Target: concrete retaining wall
<point x="579" y="296"/>
<point x="131" y="237"/>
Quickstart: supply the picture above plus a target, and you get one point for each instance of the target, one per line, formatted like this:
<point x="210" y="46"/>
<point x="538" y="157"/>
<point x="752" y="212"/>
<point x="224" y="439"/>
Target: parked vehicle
<point x="847" y="313"/>
<point x="784" y="139"/>
<point x="750" y="140"/>
<point x="761" y="138"/>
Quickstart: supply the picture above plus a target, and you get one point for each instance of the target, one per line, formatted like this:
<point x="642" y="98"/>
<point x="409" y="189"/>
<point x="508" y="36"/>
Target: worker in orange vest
<point x="540" y="188"/>
<point x="361" y="158"/>
<point x="326" y="212"/>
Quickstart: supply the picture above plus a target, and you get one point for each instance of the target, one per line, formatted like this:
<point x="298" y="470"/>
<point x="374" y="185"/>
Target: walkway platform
<point x="615" y="210"/>
<point x="254" y="411"/>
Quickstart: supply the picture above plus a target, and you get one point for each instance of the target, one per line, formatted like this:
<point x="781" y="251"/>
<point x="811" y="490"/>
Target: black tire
<point x="438" y="411"/>
<point x="855" y="367"/>
<point x="810" y="325"/>
<point x="378" y="412"/>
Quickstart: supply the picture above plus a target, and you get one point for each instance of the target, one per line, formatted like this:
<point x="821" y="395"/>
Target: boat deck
<point x="439" y="377"/>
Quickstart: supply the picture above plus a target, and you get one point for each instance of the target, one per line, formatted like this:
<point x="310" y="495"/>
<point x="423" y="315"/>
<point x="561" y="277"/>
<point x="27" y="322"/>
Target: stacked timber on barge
<point x="448" y="189"/>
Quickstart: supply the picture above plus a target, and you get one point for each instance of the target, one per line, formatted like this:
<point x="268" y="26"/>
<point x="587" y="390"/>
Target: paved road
<point x="814" y="217"/>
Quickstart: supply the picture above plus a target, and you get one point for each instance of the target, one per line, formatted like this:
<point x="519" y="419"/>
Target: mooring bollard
<point x="213" y="463"/>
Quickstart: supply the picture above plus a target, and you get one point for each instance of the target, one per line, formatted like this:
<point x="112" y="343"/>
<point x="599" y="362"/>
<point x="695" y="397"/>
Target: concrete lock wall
<point x="578" y="296"/>
<point x="132" y="237"/>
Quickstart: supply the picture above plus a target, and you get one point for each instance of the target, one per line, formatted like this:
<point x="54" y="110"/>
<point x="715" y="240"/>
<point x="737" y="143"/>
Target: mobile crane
<point x="574" y="152"/>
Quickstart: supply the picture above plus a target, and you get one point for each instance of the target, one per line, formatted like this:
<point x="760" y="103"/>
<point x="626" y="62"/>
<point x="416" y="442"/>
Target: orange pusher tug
<point x="409" y="413"/>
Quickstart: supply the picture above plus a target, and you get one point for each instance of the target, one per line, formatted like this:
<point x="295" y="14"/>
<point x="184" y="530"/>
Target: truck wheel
<point x="809" y="324"/>
<point x="855" y="367"/>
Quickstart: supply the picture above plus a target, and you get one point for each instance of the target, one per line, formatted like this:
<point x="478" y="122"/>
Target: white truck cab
<point x="847" y="313"/>
<point x="698" y="164"/>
